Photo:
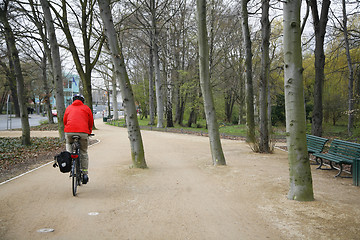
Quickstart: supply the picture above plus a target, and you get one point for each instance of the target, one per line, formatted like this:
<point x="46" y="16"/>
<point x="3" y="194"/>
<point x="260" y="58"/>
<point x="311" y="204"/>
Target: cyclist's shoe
<point x="85" y="179"/>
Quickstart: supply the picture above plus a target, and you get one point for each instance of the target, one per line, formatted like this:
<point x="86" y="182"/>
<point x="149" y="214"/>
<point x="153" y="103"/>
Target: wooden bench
<point x="340" y="152"/>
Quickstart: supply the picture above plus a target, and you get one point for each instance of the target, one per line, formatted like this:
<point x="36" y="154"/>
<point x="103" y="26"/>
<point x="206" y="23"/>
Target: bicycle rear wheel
<point x="78" y="172"/>
<point x="74" y="176"/>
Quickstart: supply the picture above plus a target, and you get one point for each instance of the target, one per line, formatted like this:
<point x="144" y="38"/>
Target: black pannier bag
<point x="63" y="160"/>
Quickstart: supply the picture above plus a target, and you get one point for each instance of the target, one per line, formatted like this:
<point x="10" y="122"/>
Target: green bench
<point x="315" y="144"/>
<point x="340" y="152"/>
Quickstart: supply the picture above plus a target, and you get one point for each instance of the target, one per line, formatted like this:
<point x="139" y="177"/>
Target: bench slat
<point x="315" y="144"/>
<point x="341" y="152"/>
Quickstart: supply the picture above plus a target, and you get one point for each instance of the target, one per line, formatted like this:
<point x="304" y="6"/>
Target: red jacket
<point x="78" y="118"/>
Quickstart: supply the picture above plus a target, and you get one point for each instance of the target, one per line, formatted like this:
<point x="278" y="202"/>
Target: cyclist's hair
<point x="78" y="97"/>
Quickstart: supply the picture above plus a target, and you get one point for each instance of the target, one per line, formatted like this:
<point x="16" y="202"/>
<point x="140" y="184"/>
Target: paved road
<point x="34" y="120"/>
<point x="15" y="123"/>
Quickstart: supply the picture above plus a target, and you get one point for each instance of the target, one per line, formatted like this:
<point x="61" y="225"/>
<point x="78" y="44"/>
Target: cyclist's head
<point x="78" y="97"/>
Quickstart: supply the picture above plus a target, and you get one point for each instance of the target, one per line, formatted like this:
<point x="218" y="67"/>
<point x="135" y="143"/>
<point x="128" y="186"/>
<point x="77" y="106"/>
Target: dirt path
<point x="180" y="196"/>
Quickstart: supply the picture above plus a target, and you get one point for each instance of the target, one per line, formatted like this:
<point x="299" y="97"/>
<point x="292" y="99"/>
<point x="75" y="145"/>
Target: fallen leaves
<point x="12" y="152"/>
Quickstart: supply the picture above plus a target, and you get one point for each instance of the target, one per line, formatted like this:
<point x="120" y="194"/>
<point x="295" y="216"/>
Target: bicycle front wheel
<point x="74" y="177"/>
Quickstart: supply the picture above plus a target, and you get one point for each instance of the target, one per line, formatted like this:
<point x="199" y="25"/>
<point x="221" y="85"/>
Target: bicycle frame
<point x="76" y="164"/>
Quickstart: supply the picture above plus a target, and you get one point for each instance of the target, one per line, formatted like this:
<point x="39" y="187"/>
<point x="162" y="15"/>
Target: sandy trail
<point x="180" y="196"/>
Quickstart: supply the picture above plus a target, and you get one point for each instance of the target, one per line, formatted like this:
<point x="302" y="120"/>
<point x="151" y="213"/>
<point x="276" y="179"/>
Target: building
<point x="71" y="87"/>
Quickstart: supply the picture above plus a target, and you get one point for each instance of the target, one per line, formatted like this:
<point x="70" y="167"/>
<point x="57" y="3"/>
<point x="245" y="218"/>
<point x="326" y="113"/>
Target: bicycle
<point x="76" y="173"/>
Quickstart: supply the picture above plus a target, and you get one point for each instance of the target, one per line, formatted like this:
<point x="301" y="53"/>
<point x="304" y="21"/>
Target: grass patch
<point x="329" y="131"/>
<point x="200" y="126"/>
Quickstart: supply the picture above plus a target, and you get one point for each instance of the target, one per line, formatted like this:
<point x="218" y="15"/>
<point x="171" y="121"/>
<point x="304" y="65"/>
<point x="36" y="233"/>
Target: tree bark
<point x="151" y="84"/>
<point x="230" y="98"/>
<point x="301" y="188"/>
<point x="169" y="107"/>
<point x="250" y="122"/>
<point x="351" y="73"/>
<point x="56" y="63"/>
<point x="180" y="109"/>
<point x="264" y="78"/>
<point x="213" y="128"/>
<point x="169" y="86"/>
<point x="10" y="76"/>
<point x="192" y="116"/>
<point x="158" y="89"/>
<point x="46" y="89"/>
<point x="14" y="55"/>
<point x="114" y="95"/>
<point x="180" y="53"/>
<point x="134" y="134"/>
<point x="320" y="30"/>
<point x="39" y="23"/>
<point x="158" y="82"/>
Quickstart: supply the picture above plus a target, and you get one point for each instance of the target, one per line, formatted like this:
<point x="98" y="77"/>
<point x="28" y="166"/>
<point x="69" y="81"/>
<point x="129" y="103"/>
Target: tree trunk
<point x="14" y="55"/>
<point x="169" y="108"/>
<point x="145" y="107"/>
<point x="158" y="83"/>
<point x="180" y="63"/>
<point x="158" y="89"/>
<point x="229" y="104"/>
<point x="46" y="89"/>
<point x="114" y="95"/>
<point x="191" y="117"/>
<point x="300" y="172"/>
<point x="134" y="134"/>
<point x="11" y="80"/>
<point x="151" y="84"/>
<point x="181" y="109"/>
<point x="250" y="121"/>
<point x="351" y="73"/>
<point x="169" y="86"/>
<point x="39" y="23"/>
<point x="56" y="62"/>
<point x="180" y="106"/>
<point x="108" y="101"/>
<point x="320" y="30"/>
<point x="269" y="111"/>
<point x="241" y="98"/>
<point x="213" y="128"/>
<point x="177" y="103"/>
<point x="264" y="79"/>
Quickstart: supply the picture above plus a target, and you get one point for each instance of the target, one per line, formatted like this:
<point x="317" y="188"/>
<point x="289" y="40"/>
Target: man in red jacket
<point x="78" y="120"/>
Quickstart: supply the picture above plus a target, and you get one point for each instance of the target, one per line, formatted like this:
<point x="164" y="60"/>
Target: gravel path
<point x="180" y="196"/>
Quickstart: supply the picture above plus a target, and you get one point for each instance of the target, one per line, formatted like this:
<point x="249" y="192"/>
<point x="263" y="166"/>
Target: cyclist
<point x="78" y="120"/>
